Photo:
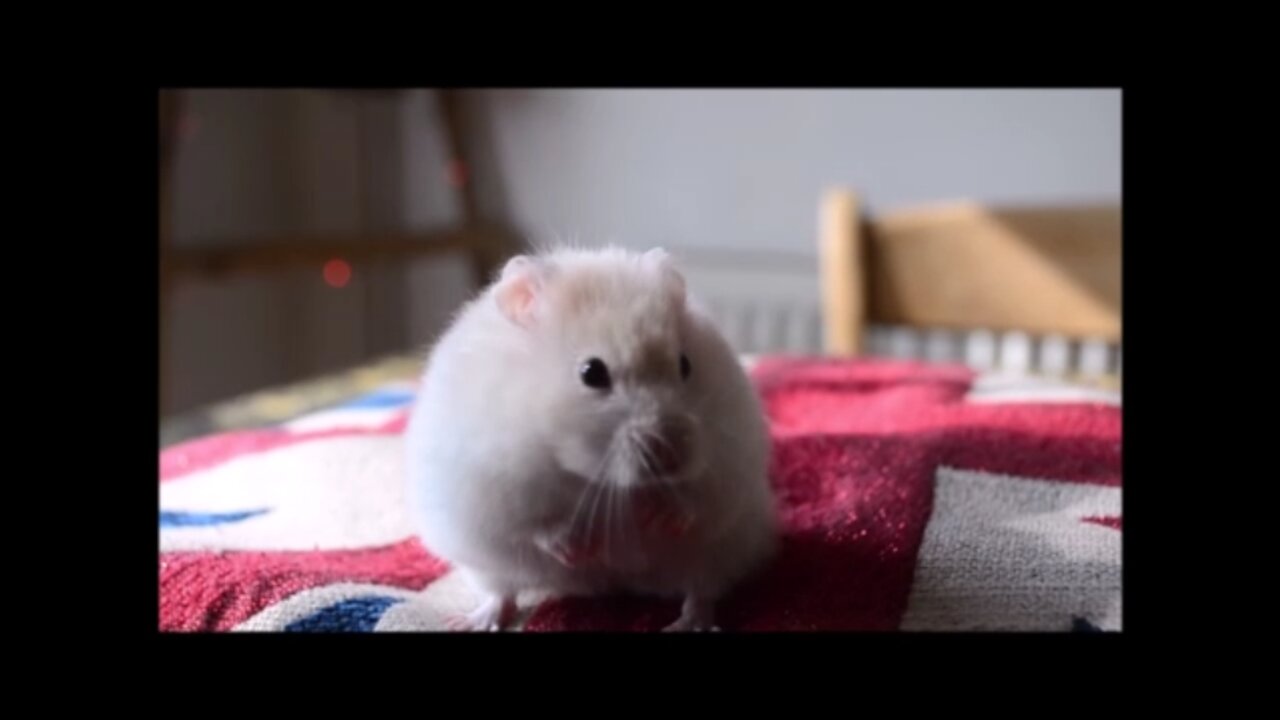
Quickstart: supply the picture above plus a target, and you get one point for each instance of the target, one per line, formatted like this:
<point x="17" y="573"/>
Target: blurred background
<point x="305" y="232"/>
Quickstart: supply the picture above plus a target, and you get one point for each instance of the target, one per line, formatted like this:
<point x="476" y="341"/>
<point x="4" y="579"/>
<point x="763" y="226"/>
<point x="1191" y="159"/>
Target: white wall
<point x="744" y="168"/>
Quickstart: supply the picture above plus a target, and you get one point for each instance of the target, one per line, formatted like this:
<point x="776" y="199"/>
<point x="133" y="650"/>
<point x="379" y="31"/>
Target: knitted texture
<point x="912" y="497"/>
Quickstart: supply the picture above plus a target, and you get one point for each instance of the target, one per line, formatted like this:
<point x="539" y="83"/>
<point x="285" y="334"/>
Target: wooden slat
<point x="450" y="112"/>
<point x="219" y="259"/>
<point x="450" y="115"/>
<point x="840" y="253"/>
<point x="169" y="115"/>
<point x="964" y="266"/>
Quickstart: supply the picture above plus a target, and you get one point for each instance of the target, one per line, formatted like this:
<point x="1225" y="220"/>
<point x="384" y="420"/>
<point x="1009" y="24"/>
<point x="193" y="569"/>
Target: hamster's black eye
<point x="594" y="374"/>
<point x="685" y="367"/>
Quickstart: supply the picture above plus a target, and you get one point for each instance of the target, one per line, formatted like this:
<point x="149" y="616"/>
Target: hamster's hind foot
<point x="493" y="615"/>
<point x="696" y="615"/>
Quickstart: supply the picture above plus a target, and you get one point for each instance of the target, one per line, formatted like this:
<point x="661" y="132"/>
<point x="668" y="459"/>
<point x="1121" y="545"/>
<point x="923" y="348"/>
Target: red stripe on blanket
<point x="210" y="591"/>
<point x="209" y="452"/>
<point x="1075" y="442"/>
<point x="1114" y="523"/>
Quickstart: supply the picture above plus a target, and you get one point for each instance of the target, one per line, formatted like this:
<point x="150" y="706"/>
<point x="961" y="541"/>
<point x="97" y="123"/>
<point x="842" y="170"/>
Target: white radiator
<point x="773" y="307"/>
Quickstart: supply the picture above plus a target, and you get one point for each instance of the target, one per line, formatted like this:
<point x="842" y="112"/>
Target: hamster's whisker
<point x="609" y="522"/>
<point x="640" y="442"/>
<point x="595" y="486"/>
<point x="574" y="520"/>
<point x="639" y="447"/>
<point x="678" y="498"/>
<point x="627" y="518"/>
<point x="593" y="514"/>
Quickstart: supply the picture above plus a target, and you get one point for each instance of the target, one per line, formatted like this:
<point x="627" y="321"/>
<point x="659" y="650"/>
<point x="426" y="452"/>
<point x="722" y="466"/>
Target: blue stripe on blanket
<point x="378" y="400"/>
<point x="177" y="518"/>
<point x="354" y="615"/>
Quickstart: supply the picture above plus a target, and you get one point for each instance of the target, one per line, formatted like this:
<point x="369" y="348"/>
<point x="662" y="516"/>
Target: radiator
<point x="775" y="309"/>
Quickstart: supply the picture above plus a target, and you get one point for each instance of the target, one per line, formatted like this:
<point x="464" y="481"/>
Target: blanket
<point x="912" y="496"/>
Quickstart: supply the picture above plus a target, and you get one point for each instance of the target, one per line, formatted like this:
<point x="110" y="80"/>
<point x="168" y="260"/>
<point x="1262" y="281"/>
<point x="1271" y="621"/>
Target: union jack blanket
<point x="913" y="497"/>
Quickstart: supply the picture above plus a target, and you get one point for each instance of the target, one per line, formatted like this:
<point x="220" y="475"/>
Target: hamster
<point x="582" y="428"/>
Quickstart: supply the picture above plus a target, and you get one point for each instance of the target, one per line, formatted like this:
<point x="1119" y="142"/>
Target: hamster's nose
<point x="661" y="458"/>
<point x="667" y="450"/>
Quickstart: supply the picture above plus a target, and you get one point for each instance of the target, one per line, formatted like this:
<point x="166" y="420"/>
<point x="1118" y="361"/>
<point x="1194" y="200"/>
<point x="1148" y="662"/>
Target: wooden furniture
<point x="168" y="131"/>
<point x="962" y="266"/>
<point x="485" y="244"/>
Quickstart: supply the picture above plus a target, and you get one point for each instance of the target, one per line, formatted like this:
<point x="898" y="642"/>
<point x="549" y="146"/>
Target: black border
<point x="116" y="263"/>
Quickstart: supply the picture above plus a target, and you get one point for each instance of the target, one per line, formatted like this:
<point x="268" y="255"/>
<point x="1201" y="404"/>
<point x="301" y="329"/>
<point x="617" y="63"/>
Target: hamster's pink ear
<point x="673" y="281"/>
<point x="518" y="289"/>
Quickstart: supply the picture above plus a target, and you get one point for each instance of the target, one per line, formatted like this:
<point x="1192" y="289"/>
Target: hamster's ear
<point x="670" y="277"/>
<point x="518" y="289"/>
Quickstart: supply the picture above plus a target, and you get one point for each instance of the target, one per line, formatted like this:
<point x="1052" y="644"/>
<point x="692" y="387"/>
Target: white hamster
<point x="582" y="428"/>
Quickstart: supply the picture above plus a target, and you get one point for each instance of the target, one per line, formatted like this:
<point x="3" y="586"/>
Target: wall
<point x="744" y="168"/>
<point x="735" y="169"/>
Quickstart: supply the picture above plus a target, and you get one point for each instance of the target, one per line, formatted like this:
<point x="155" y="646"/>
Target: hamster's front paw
<point x="697" y="615"/>
<point x="570" y="551"/>
<point x="687" y="624"/>
<point x="493" y="615"/>
<point x="662" y="513"/>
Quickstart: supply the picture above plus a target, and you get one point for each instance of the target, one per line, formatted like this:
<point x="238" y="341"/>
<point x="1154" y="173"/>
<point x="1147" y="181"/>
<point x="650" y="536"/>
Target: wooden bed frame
<point x="963" y="266"/>
<point x="484" y="244"/>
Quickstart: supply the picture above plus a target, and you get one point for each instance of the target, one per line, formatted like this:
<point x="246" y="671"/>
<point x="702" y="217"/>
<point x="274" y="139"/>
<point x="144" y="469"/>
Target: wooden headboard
<point x="963" y="266"/>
